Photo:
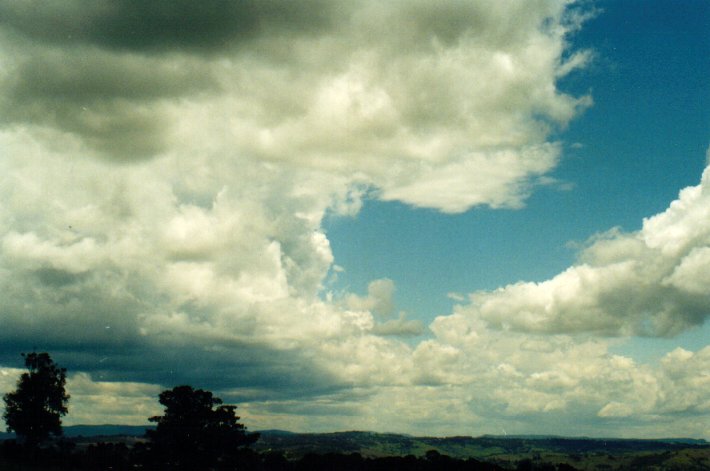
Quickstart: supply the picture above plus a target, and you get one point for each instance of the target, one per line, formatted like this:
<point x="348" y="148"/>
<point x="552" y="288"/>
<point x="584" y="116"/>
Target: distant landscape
<point x="507" y="452"/>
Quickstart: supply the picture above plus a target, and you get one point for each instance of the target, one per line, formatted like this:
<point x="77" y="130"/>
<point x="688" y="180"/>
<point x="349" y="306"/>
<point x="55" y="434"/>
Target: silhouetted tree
<point x="196" y="431"/>
<point x="33" y="411"/>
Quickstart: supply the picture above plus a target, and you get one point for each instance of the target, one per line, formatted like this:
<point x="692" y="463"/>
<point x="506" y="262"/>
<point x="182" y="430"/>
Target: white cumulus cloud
<point x="649" y="282"/>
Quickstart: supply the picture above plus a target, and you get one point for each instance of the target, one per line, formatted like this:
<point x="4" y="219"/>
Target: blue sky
<point x="625" y="158"/>
<point x="460" y="217"/>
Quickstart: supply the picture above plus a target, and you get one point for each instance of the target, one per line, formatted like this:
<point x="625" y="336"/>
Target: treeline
<point x="120" y="457"/>
<point x="196" y="432"/>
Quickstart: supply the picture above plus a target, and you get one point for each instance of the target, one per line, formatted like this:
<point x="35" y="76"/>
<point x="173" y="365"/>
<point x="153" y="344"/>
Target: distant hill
<point x="276" y="432"/>
<point x="687" y="441"/>
<point x="107" y="430"/>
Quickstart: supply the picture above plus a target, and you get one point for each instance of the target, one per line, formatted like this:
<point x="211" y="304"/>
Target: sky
<point x="436" y="218"/>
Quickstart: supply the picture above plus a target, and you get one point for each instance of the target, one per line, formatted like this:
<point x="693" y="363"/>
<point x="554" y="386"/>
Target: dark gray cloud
<point x="112" y="101"/>
<point x="66" y="309"/>
<point x="86" y="76"/>
<point x="102" y="70"/>
<point x="255" y="371"/>
<point x="249" y="370"/>
<point x="161" y="24"/>
<point x="116" y="130"/>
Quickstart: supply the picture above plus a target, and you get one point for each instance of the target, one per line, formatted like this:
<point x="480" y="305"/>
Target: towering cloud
<point x="167" y="166"/>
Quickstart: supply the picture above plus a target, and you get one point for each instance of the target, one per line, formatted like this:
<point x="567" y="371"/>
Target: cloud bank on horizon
<point x="167" y="167"/>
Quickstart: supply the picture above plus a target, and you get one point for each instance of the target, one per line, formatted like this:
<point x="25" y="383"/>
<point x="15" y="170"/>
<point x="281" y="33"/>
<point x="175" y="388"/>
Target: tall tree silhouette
<point x="34" y="410"/>
<point x="196" y="431"/>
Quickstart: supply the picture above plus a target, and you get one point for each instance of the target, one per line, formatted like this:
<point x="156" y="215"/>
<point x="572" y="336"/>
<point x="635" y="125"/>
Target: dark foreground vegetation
<point x="118" y="456"/>
<point x="197" y="432"/>
<point x="377" y="452"/>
